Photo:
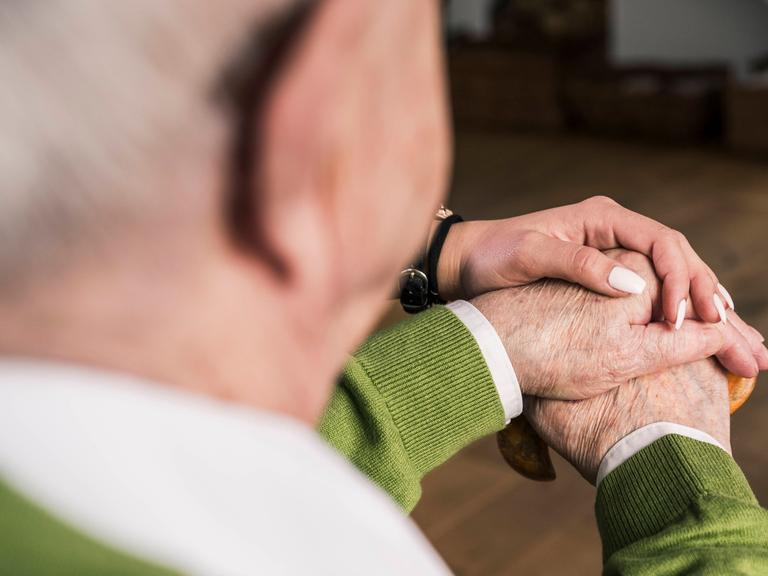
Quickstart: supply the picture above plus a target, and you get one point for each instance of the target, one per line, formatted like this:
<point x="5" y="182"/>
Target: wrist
<point x="435" y="277"/>
<point x="495" y="307"/>
<point x="494" y="354"/>
<point x="663" y="483"/>
<point x="633" y="442"/>
<point x="449" y="266"/>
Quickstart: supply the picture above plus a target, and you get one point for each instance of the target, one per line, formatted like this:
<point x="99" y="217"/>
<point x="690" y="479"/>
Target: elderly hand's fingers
<point x="756" y="333"/>
<point x="661" y="348"/>
<point x="754" y="339"/>
<point x="734" y="353"/>
<point x="548" y="257"/>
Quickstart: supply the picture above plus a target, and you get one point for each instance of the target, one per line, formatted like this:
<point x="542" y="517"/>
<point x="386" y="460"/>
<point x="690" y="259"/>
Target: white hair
<point x="91" y="93"/>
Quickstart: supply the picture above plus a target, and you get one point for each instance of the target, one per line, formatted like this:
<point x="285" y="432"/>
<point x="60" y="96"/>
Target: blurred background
<point x="662" y="106"/>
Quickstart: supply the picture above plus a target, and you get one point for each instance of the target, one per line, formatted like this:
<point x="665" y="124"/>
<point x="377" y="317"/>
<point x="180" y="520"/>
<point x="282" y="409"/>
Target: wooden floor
<point x="482" y="517"/>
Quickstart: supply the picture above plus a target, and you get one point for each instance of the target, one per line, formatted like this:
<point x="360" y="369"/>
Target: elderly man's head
<point x="276" y="157"/>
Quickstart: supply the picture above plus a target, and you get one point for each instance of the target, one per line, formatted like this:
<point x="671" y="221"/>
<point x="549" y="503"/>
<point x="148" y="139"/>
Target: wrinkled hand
<point x="566" y="243"/>
<point x="569" y="343"/>
<point x="582" y="432"/>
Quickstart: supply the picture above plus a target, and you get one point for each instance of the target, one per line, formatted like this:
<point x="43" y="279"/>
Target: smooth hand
<point x="569" y="343"/>
<point x="566" y="243"/>
<point x="694" y="395"/>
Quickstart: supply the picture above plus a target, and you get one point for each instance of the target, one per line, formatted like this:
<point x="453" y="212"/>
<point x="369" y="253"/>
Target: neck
<point x="213" y="331"/>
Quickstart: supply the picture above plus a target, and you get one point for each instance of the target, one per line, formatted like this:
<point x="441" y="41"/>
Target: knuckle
<point x="668" y="235"/>
<point x="600" y="200"/>
<point x="679" y="237"/>
<point x="665" y="233"/>
<point x="661" y="231"/>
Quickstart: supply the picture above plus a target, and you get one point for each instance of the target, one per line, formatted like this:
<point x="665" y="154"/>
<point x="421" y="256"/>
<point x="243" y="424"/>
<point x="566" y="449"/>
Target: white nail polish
<point x="720" y="308"/>
<point x="681" y="313"/>
<point x="727" y="296"/>
<point x="625" y="280"/>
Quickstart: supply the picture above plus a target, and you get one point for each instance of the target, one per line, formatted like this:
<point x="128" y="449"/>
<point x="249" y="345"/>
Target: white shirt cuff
<point x="495" y="356"/>
<point x="635" y="441"/>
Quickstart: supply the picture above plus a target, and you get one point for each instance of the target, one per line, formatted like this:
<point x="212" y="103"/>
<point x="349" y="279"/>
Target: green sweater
<point x="413" y="396"/>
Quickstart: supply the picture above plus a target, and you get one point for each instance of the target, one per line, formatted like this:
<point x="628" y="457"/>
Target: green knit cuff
<point x="436" y="385"/>
<point x="657" y="485"/>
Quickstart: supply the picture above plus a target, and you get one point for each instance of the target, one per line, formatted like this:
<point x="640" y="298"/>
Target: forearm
<point x="409" y="399"/>
<point x="681" y="506"/>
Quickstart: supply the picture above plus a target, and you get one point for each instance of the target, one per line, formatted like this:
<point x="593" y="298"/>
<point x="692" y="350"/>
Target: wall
<point x="470" y="17"/>
<point x="689" y="31"/>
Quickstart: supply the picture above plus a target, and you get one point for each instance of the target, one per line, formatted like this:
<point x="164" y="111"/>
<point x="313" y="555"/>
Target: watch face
<point x="414" y="290"/>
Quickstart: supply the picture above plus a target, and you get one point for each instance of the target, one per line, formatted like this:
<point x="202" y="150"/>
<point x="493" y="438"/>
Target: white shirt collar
<point x="197" y="485"/>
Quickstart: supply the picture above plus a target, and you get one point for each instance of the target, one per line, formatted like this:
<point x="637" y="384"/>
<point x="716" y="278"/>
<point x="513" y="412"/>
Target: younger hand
<point x="566" y="243"/>
<point x="566" y="342"/>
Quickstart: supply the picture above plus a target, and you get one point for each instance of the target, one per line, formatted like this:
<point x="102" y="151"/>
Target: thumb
<point x="583" y="265"/>
<point x="662" y="347"/>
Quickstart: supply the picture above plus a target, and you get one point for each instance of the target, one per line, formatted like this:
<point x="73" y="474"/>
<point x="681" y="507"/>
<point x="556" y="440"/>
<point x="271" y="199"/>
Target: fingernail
<point x="681" y="313"/>
<point x="727" y="296"/>
<point x="625" y="280"/>
<point x="720" y="308"/>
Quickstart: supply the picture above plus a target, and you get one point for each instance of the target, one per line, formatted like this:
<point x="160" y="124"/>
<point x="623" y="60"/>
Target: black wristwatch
<point x="414" y="290"/>
<point x="418" y="287"/>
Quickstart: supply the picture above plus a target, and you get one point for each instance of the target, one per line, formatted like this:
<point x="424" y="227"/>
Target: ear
<point x="282" y="208"/>
<point x="354" y="145"/>
<point x="296" y="182"/>
<point x="248" y="89"/>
